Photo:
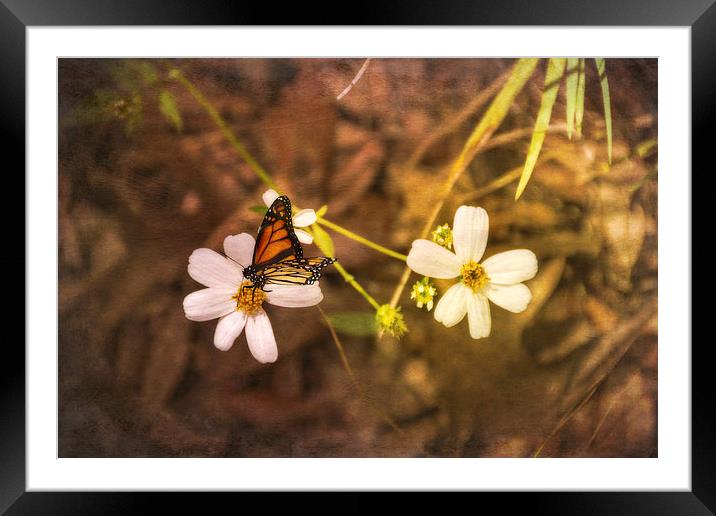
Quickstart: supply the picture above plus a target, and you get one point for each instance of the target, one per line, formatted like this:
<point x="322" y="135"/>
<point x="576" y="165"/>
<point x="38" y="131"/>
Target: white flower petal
<point x="430" y="259"/>
<point x="269" y="196"/>
<point x="452" y="306"/>
<point x="514" y="298"/>
<point x="240" y="248"/>
<point x="209" y="303"/>
<point x="228" y="329"/>
<point x="294" y="296"/>
<point x="213" y="270"/>
<point x="469" y="233"/>
<point x="304" y="218"/>
<point x="259" y="335"/>
<point x="511" y="267"/>
<point x="303" y="236"/>
<point x="478" y="316"/>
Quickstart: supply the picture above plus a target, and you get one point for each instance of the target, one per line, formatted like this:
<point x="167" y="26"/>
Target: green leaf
<point x="260" y="209"/>
<point x="323" y="240"/>
<point x="169" y="108"/>
<point x="359" y="324"/>
<point x="579" y="111"/>
<point x="646" y="148"/>
<point x="602" y="70"/>
<point x="571" y="84"/>
<point x="497" y="111"/>
<point x="555" y="70"/>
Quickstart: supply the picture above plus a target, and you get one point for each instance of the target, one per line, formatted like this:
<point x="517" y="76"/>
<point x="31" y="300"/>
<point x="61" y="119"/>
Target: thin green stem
<point x="357" y="286"/>
<point x="177" y="74"/>
<point x="362" y="240"/>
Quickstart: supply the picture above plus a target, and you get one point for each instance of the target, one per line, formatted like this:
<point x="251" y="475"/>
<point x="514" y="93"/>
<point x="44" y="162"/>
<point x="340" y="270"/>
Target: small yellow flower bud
<point x="390" y="320"/>
<point x="443" y="236"/>
<point x="423" y="293"/>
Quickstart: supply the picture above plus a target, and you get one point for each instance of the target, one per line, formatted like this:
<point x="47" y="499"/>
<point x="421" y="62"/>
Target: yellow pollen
<point x="248" y="299"/>
<point x="474" y="276"/>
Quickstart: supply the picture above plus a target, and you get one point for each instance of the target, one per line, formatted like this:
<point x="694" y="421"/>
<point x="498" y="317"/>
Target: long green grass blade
<point x="493" y="117"/>
<point x="571" y="84"/>
<point x="579" y="109"/>
<point x="602" y="70"/>
<point x="555" y="70"/>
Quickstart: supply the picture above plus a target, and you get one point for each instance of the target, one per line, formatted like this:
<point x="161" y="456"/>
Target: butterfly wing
<point x="276" y="239"/>
<point x="304" y="271"/>
<point x="278" y="255"/>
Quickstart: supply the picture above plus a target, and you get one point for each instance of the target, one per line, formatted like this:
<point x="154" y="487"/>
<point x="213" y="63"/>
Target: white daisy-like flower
<point x="302" y="219"/>
<point x="237" y="307"/>
<point x="498" y="279"/>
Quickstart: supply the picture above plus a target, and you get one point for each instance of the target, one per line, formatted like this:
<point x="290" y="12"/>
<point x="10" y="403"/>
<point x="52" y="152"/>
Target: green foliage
<point x="258" y="208"/>
<point x="646" y="148"/>
<point x="575" y="87"/>
<point x="555" y="70"/>
<point x="107" y="105"/>
<point x="572" y="84"/>
<point x="579" y="108"/>
<point x="602" y="70"/>
<point x="135" y="81"/>
<point x="359" y="324"/>
<point x="170" y="109"/>
<point x="500" y="105"/>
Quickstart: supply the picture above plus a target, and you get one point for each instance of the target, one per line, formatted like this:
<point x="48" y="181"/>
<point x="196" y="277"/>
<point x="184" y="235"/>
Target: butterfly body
<point x="278" y="255"/>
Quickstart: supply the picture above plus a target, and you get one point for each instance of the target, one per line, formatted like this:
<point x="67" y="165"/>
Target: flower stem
<point x="357" y="286"/>
<point x="177" y="74"/>
<point x="362" y="240"/>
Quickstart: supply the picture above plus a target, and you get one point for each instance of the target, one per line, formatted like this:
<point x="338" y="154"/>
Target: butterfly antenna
<point x="230" y="258"/>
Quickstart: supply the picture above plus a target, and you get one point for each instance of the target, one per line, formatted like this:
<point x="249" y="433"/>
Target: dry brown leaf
<point x="349" y="183"/>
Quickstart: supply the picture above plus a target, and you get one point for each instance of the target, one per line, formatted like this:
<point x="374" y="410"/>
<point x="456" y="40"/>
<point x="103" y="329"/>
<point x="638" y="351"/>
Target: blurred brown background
<point x="146" y="177"/>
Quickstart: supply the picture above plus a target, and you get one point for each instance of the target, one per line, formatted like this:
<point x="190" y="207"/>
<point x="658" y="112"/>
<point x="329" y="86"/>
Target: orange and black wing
<point x="305" y="271"/>
<point x="276" y="239"/>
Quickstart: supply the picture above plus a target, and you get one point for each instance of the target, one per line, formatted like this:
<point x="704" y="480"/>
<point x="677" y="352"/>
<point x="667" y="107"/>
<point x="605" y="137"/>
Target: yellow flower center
<point x="248" y="298"/>
<point x="473" y="275"/>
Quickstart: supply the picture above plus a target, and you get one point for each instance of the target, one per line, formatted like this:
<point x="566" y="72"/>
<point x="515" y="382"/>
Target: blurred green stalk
<point x="177" y="74"/>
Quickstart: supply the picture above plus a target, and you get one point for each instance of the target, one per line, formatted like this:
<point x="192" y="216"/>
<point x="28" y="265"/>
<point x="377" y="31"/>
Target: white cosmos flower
<point x="236" y="308"/>
<point x="302" y="219"/>
<point x="499" y="278"/>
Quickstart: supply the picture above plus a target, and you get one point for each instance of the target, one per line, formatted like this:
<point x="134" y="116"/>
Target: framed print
<point x="359" y="258"/>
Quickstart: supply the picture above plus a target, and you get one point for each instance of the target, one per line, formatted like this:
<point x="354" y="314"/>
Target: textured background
<point x="574" y="375"/>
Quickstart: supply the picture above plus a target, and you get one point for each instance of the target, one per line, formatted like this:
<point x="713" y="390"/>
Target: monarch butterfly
<point x="278" y="255"/>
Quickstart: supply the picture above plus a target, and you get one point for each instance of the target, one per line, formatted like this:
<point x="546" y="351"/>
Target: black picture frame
<point x="17" y="15"/>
